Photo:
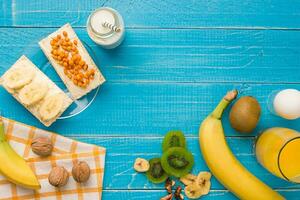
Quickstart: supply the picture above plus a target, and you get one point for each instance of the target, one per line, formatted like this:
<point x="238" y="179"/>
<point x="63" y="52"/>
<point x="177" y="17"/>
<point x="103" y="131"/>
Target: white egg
<point x="287" y="104"/>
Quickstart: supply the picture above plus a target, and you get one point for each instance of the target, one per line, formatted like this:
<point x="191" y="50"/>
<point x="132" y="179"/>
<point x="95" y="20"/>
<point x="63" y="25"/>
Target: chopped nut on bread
<point x="72" y="61"/>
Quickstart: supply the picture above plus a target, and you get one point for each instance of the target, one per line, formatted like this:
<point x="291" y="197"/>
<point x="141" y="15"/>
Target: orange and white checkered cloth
<point x="65" y="153"/>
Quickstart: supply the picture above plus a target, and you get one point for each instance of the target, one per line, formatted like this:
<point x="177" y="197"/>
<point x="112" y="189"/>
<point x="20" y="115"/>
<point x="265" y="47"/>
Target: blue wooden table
<point x="178" y="59"/>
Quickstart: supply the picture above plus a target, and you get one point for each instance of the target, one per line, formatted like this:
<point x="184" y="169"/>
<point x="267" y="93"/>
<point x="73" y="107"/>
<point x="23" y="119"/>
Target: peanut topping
<point x="66" y="53"/>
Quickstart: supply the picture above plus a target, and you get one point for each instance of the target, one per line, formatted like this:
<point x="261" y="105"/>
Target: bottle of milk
<point x="105" y="26"/>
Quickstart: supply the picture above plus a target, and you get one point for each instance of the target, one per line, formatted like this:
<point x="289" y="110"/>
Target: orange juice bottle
<point x="278" y="150"/>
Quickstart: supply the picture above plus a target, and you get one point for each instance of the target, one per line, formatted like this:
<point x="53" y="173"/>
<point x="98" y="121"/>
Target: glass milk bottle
<point x="105" y="27"/>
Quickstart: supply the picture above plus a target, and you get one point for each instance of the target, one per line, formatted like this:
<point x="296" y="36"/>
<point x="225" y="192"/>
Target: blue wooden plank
<point x="167" y="13"/>
<point x="148" y="109"/>
<point x="159" y="76"/>
<point x="6" y="17"/>
<point x="154" y="194"/>
<point x="122" y="151"/>
<point x="157" y="194"/>
<point x="178" y="55"/>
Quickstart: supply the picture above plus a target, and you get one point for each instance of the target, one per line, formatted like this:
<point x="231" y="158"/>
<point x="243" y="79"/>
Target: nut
<point x="42" y="146"/>
<point x="168" y="185"/>
<point x="141" y="165"/>
<point x="173" y="183"/>
<point x="58" y="176"/>
<point x="81" y="172"/>
<point x="181" y="197"/>
<point x="65" y="52"/>
<point x="168" y="197"/>
<point x="177" y="193"/>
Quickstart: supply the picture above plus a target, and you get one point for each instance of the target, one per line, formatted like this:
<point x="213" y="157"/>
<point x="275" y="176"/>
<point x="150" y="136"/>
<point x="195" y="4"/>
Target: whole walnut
<point x="42" y="146"/>
<point x="81" y="172"/>
<point x="58" y="176"/>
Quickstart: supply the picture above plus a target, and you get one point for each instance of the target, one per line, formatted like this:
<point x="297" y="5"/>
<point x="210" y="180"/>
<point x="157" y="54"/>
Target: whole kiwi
<point x="244" y="114"/>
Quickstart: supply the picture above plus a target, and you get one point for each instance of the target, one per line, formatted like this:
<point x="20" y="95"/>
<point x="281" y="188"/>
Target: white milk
<point x="105" y="36"/>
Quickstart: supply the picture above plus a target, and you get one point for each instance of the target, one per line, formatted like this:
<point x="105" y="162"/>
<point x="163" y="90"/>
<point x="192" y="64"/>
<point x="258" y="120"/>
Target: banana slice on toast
<point x="17" y="78"/>
<point x="51" y="107"/>
<point x="35" y="91"/>
<point x="32" y="93"/>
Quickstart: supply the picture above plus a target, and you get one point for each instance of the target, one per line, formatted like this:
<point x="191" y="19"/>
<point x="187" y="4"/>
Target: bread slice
<point x="39" y="77"/>
<point x="76" y="92"/>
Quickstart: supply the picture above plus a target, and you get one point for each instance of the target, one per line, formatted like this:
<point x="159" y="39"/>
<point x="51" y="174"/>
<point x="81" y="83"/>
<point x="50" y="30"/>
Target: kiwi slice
<point x="156" y="173"/>
<point x="173" y="139"/>
<point x="177" y="161"/>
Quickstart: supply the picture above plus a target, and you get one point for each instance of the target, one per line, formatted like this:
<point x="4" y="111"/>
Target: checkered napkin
<point x="65" y="153"/>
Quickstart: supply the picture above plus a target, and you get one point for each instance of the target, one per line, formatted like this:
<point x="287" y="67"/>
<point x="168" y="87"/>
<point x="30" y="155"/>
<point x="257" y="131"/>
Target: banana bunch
<point x="31" y="93"/>
<point x="223" y="164"/>
<point x="14" y="167"/>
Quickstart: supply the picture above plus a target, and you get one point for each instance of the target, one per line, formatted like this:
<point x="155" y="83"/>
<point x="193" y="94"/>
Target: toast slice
<point x="37" y="77"/>
<point x="75" y="90"/>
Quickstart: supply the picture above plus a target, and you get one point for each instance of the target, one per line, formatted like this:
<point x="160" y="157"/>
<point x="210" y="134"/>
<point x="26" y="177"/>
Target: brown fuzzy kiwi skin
<point x="244" y="115"/>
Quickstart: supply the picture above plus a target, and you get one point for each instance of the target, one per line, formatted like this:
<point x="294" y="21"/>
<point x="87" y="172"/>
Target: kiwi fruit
<point x="177" y="161"/>
<point x="245" y="114"/>
<point x="173" y="139"/>
<point x="156" y="173"/>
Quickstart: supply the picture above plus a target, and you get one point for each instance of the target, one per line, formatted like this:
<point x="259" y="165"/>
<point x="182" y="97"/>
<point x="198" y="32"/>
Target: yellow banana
<point x="223" y="164"/>
<point x="14" y="167"/>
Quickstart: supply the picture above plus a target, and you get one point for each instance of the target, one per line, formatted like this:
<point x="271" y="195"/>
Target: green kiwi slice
<point x="177" y="161"/>
<point x="173" y="139"/>
<point x="156" y="173"/>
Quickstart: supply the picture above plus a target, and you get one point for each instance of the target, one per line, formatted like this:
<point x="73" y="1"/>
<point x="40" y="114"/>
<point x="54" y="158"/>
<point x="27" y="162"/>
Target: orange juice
<point x="278" y="150"/>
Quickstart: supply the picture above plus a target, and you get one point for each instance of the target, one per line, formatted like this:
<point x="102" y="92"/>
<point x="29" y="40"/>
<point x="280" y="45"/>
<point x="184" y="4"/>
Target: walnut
<point x="58" y="176"/>
<point x="42" y="146"/>
<point x="81" y="172"/>
<point x="168" y="197"/>
<point x="168" y="185"/>
<point x="178" y="194"/>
